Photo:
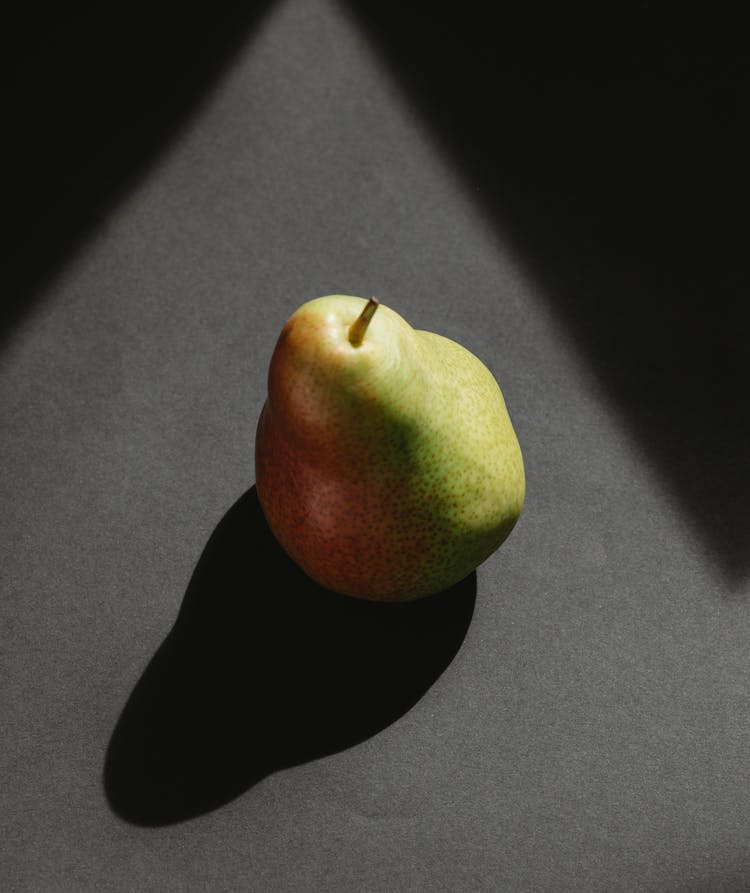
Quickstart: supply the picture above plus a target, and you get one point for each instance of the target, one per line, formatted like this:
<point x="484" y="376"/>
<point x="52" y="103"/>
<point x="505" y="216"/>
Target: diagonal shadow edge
<point x="609" y="147"/>
<point x="264" y="670"/>
<point x="92" y="98"/>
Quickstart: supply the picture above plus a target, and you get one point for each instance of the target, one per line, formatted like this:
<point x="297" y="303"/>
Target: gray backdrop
<point x="563" y="197"/>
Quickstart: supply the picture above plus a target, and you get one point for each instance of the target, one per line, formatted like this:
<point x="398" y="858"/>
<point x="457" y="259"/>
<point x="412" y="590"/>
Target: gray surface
<point x="591" y="733"/>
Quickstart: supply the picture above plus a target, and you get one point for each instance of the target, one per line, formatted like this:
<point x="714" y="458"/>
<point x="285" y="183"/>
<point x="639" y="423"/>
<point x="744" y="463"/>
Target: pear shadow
<point x="264" y="670"/>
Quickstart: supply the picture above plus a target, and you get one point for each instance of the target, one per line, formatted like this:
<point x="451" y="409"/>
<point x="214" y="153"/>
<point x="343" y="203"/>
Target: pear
<point x="386" y="463"/>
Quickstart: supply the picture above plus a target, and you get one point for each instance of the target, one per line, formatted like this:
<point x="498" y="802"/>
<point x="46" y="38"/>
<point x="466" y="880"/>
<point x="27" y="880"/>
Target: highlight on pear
<point x="386" y="462"/>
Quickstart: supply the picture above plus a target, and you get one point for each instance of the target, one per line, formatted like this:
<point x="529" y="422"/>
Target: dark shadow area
<point x="264" y="670"/>
<point x="610" y="142"/>
<point x="91" y="94"/>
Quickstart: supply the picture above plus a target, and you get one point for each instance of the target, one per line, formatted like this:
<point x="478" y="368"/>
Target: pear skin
<point x="386" y="463"/>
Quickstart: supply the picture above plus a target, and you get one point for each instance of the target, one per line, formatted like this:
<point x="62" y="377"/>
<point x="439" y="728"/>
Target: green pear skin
<point x="386" y="463"/>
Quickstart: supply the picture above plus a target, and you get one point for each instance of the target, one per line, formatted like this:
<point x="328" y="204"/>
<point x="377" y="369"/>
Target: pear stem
<point x="358" y="328"/>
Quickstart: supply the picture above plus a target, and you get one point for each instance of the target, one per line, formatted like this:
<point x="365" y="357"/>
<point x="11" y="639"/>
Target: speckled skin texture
<point x="387" y="471"/>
